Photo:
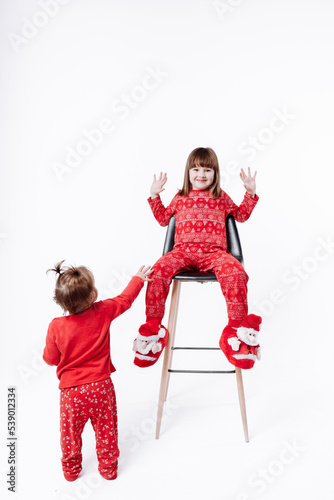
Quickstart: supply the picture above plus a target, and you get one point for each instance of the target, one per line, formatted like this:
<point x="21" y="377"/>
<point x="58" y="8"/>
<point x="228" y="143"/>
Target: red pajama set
<point x="200" y="244"/>
<point x="79" y="344"/>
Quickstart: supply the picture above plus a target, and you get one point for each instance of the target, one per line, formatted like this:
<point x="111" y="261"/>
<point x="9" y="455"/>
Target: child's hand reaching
<point x="249" y="181"/>
<point x="158" y="184"/>
<point x="144" y="273"/>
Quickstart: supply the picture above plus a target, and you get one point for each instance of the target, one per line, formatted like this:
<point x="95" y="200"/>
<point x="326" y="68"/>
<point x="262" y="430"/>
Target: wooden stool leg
<point x="242" y="402"/>
<point x="174" y="305"/>
<point x="172" y="320"/>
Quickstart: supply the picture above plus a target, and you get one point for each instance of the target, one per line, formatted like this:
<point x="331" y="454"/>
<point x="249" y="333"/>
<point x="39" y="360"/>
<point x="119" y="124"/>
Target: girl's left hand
<point x="144" y="273"/>
<point x="249" y="181"/>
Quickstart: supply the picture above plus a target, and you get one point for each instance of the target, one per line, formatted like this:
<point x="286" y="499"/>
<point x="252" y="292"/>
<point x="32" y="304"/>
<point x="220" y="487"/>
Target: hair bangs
<point x="204" y="159"/>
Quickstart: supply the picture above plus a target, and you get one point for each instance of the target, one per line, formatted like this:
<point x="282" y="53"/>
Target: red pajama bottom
<point x="228" y="270"/>
<point x="95" y="401"/>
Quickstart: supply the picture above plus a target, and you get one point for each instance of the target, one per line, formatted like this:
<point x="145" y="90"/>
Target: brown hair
<point x="203" y="157"/>
<point x="75" y="288"/>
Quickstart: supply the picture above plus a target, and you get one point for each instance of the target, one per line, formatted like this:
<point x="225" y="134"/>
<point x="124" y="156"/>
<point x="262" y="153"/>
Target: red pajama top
<point x="79" y="344"/>
<point x="200" y="219"/>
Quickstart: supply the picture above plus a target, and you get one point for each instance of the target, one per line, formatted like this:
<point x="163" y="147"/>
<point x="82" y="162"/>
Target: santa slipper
<point x="149" y="344"/>
<point x="240" y="344"/>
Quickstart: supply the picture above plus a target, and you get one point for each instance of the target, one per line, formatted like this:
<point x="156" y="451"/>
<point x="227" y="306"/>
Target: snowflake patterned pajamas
<point x="228" y="270"/>
<point x="95" y="401"/>
<point x="200" y="244"/>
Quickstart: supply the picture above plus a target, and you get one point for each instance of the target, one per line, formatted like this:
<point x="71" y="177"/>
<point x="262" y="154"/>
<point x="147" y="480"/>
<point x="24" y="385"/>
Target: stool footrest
<point x="198" y="348"/>
<point x="198" y="371"/>
<point x="201" y="371"/>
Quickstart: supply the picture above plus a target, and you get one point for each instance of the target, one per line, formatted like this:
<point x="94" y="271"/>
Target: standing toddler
<point x="79" y="345"/>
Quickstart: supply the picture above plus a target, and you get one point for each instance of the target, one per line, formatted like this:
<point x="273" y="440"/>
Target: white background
<point x="225" y="71"/>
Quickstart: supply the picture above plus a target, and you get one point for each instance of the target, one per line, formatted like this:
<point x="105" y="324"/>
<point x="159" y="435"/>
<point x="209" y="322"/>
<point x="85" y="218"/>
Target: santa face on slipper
<point x="149" y="344"/>
<point x="240" y="344"/>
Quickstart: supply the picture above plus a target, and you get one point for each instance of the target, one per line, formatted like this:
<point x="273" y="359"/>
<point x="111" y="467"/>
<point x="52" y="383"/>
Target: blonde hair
<point x="202" y="157"/>
<point x="75" y="288"/>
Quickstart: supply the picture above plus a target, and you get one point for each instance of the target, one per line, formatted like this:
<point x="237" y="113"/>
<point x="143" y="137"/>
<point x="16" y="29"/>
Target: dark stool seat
<point x="195" y="276"/>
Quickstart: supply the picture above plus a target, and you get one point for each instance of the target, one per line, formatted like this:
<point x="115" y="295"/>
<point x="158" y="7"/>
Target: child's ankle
<point x="154" y="320"/>
<point x="234" y="323"/>
<point x="70" y="477"/>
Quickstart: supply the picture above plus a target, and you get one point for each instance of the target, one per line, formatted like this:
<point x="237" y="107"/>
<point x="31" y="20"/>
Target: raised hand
<point x="144" y="273"/>
<point x="158" y="184"/>
<point x="249" y="181"/>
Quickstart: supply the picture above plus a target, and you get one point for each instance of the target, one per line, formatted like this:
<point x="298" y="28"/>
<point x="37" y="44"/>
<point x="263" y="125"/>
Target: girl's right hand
<point x="158" y="184"/>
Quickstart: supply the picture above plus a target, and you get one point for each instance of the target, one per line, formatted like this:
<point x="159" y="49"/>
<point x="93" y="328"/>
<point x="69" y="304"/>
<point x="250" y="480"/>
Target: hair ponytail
<point x="57" y="269"/>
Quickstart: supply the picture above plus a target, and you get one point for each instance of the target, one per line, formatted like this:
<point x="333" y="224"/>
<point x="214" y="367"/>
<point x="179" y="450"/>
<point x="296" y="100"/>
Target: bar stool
<point x="234" y="247"/>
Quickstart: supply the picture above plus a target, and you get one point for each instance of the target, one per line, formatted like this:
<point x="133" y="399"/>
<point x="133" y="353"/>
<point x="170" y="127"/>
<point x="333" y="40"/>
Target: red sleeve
<point x="51" y="353"/>
<point x="160" y="212"/>
<point x="118" y="305"/>
<point x="243" y="212"/>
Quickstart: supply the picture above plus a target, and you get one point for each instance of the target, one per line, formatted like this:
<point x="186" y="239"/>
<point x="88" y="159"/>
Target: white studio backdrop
<point x="96" y="97"/>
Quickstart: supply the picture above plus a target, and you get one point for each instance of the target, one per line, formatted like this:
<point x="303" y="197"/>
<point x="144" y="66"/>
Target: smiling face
<point x="206" y="159"/>
<point x="201" y="177"/>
